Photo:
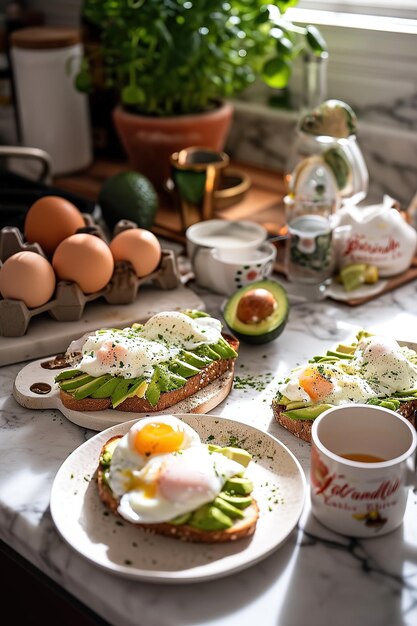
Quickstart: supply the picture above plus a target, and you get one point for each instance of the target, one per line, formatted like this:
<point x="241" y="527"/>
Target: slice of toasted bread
<point x="302" y="428"/>
<point x="206" y="376"/>
<point x="409" y="411"/>
<point x="299" y="428"/>
<point x="241" y="528"/>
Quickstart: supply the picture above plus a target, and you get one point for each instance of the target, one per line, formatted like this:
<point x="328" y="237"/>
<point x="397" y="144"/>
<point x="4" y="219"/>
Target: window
<point x="372" y="55"/>
<point x="388" y="8"/>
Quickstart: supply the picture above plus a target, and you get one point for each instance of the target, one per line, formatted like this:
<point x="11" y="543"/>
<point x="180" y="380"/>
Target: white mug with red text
<point x="362" y="465"/>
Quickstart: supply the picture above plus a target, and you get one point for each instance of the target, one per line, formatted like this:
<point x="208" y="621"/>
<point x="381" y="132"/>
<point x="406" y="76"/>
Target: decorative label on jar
<point x="309" y="257"/>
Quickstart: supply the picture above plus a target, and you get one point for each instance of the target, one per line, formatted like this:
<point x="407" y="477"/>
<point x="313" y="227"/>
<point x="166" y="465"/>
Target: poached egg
<point x="378" y="368"/>
<point x="132" y="353"/>
<point x="160" y="470"/>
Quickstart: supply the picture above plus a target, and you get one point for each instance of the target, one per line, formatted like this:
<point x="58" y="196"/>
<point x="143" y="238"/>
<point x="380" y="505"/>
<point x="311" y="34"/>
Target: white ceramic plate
<point x="337" y="292"/>
<point x="119" y="547"/>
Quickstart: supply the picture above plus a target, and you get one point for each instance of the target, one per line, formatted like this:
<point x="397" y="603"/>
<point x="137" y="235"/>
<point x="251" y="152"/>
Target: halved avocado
<point x="258" y="312"/>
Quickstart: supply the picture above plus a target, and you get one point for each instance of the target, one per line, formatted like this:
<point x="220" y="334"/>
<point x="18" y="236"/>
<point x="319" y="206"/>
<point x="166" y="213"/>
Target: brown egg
<point x="84" y="259"/>
<point x="29" y="277"/>
<point x="50" y="220"/>
<point x="138" y="246"/>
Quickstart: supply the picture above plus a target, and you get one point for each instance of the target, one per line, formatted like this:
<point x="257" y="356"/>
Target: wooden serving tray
<point x="359" y="296"/>
<point x="263" y="204"/>
<point x="386" y="285"/>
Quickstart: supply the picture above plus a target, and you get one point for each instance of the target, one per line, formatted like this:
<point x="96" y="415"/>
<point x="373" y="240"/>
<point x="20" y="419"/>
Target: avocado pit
<point x="258" y="312"/>
<point x="255" y="306"/>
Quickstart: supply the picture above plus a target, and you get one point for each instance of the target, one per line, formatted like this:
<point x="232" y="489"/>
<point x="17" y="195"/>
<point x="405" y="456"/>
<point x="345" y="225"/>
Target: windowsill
<point x="373" y="72"/>
<point x="358" y="21"/>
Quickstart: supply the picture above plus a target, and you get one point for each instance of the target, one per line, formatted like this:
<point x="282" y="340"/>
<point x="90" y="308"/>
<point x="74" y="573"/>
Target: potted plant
<point x="174" y="64"/>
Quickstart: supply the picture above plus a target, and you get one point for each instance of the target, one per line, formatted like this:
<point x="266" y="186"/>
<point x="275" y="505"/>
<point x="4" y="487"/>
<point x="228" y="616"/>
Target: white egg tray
<point x="68" y="301"/>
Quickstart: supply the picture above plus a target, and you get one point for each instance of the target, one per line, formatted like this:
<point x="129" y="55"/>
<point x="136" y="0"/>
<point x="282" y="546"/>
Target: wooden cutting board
<point x="46" y="336"/>
<point x="203" y="401"/>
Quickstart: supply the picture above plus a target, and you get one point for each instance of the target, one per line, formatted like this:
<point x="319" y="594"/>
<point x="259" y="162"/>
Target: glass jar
<point x="309" y="257"/>
<point x="314" y="75"/>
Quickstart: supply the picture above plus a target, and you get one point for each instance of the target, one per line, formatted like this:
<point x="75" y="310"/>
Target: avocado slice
<point x="180" y="519"/>
<point x="195" y="313"/>
<point x="224" y="350"/>
<point x="210" y="517"/>
<point x="236" y="454"/>
<point x="266" y="328"/>
<point x="73" y="383"/>
<point x="240" y="502"/>
<point x="296" y="404"/>
<point x="186" y="370"/>
<point x="229" y="509"/>
<point x="308" y="413"/>
<point x="67" y="374"/>
<point x="345" y="349"/>
<point x="238" y="485"/>
<point x="121" y="392"/>
<point x="138" y="389"/>
<point x="86" y="390"/>
<point x="106" y="390"/>
<point x="167" y="380"/>
<point x="339" y="355"/>
<point x="207" y="351"/>
<point x="153" y="392"/>
<point x="193" y="359"/>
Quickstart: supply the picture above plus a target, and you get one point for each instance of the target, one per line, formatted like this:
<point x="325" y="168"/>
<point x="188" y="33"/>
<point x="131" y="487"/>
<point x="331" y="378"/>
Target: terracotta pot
<point x="150" y="141"/>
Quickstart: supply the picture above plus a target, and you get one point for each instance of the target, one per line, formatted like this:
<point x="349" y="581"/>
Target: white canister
<point x="53" y="115"/>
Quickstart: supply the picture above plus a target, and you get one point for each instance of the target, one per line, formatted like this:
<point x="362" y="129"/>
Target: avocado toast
<point x="150" y="367"/>
<point x="371" y="370"/>
<point x="226" y="514"/>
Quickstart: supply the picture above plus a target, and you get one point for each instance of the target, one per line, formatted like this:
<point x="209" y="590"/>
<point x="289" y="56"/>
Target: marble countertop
<point x="313" y="576"/>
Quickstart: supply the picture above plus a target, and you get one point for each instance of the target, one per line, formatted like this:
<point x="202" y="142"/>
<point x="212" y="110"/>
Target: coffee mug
<point x="362" y="465"/>
<point x="221" y="235"/>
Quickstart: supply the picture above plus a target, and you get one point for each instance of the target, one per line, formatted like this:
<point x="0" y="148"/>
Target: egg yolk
<point x="148" y="489"/>
<point x="315" y="384"/>
<point x="111" y="353"/>
<point x="158" y="438"/>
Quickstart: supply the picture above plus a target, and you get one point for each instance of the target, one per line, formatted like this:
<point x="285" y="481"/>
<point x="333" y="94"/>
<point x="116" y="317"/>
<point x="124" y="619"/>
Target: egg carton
<point x="68" y="302"/>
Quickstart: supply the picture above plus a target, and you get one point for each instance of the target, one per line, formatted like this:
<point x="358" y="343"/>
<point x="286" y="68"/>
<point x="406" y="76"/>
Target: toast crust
<point x="299" y="428"/>
<point x="206" y="376"/>
<point x="240" y="529"/>
<point x="302" y="428"/>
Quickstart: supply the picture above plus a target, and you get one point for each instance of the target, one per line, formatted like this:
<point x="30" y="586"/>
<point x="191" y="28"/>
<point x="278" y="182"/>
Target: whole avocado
<point x="128" y="196"/>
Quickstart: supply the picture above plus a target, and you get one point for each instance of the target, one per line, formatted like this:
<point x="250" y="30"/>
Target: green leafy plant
<point x="171" y="57"/>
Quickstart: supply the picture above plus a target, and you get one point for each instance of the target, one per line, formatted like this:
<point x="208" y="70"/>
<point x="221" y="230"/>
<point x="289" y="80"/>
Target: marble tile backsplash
<point x="264" y="137"/>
